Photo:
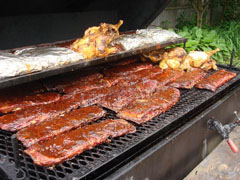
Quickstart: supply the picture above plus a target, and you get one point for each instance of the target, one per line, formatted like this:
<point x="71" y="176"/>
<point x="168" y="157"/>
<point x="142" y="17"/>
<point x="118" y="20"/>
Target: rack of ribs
<point x="143" y="110"/>
<point x="167" y="76"/>
<point x="15" y="103"/>
<point x="123" y="96"/>
<point x="124" y="70"/>
<point x="52" y="127"/>
<point x="141" y="75"/>
<point x="65" y="81"/>
<point x="90" y="85"/>
<point x="125" y="61"/>
<point x="189" y="79"/>
<point x="215" y="80"/>
<point x="67" y="145"/>
<point x="20" y="91"/>
<point x="91" y="97"/>
<point x="34" y="114"/>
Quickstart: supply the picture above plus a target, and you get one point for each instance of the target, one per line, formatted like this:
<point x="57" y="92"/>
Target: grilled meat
<point x="125" y="61"/>
<point x="52" y="127"/>
<point x="172" y="58"/>
<point x="96" y="41"/>
<point x="123" y="96"/>
<point x="215" y="80"/>
<point x="167" y="76"/>
<point x="139" y="76"/>
<point x="91" y="97"/>
<point x="23" y="102"/>
<point x="189" y="79"/>
<point x="199" y="59"/>
<point x="143" y="110"/>
<point x="67" y="145"/>
<point x="60" y="83"/>
<point x="125" y="70"/>
<point x="25" y="117"/>
<point x="90" y="85"/>
<point x="19" y="91"/>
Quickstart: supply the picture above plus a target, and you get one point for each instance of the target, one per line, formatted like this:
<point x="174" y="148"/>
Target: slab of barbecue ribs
<point x="59" y="83"/>
<point x="90" y="85"/>
<point x="20" y="91"/>
<point x="215" y="80"/>
<point x="52" y="127"/>
<point x="167" y="76"/>
<point x="189" y="79"/>
<point x="140" y="76"/>
<point x="124" y="95"/>
<point x="31" y="115"/>
<point x="124" y="70"/>
<point x="143" y="110"/>
<point x="23" y="118"/>
<point x="21" y="102"/>
<point x="67" y="145"/>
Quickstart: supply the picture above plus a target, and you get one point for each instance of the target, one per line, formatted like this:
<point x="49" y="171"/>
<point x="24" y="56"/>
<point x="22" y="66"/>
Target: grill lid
<point x="25" y="22"/>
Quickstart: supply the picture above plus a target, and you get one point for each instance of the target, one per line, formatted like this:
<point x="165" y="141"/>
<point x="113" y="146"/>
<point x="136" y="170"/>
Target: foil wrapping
<point x="35" y="59"/>
<point x="11" y="65"/>
<point x="158" y="35"/>
<point x="144" y="37"/>
<point x="132" y="41"/>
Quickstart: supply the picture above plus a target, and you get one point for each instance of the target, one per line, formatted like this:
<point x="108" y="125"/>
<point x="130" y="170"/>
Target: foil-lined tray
<point x="37" y="62"/>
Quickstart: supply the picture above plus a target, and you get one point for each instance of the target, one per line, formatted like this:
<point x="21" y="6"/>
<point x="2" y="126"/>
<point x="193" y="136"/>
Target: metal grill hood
<point x="25" y="22"/>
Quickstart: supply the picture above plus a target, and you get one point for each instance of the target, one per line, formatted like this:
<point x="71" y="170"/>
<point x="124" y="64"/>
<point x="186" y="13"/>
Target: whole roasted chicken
<point x="177" y="58"/>
<point x="96" y="40"/>
<point x="199" y="59"/>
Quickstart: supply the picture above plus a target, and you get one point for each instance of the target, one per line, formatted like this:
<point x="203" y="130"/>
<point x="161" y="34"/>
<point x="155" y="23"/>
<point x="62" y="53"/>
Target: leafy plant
<point x="226" y="38"/>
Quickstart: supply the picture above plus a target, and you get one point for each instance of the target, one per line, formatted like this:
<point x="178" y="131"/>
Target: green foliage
<point x="225" y="37"/>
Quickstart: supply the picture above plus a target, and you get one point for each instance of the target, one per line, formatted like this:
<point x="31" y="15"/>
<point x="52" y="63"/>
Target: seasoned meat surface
<point x="69" y="80"/>
<point x="67" y="145"/>
<point x="189" y="79"/>
<point x="52" y="127"/>
<point x="215" y="80"/>
<point x="167" y="76"/>
<point x="25" y="117"/>
<point x="123" y="96"/>
<point x="124" y="70"/>
<point x="144" y="109"/>
<point x="22" y="102"/>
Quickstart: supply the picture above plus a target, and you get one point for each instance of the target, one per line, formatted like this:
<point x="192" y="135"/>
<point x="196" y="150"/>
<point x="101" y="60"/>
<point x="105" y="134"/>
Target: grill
<point x="125" y="157"/>
<point x="100" y="161"/>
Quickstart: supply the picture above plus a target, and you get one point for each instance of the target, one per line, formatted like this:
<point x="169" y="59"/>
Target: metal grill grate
<point x="93" y="163"/>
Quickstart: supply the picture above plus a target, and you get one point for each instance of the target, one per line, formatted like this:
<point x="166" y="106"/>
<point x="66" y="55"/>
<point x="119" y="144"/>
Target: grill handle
<point x="224" y="130"/>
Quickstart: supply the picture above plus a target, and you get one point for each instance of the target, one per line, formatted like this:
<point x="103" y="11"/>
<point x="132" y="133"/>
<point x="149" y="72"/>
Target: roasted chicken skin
<point x="96" y="40"/>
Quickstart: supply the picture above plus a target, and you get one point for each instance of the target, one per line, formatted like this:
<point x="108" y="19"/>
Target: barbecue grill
<point x="167" y="147"/>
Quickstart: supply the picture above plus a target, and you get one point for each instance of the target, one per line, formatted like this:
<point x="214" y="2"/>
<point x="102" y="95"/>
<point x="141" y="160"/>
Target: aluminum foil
<point x="48" y="57"/>
<point x="158" y="35"/>
<point x="132" y="41"/>
<point x="35" y="59"/>
<point x="144" y="37"/>
<point x="11" y="65"/>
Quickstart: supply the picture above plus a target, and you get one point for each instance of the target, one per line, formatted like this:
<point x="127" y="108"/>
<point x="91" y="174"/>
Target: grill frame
<point x="122" y="149"/>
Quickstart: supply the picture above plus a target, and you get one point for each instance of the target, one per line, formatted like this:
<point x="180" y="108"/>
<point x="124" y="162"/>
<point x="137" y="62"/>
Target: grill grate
<point x="93" y="163"/>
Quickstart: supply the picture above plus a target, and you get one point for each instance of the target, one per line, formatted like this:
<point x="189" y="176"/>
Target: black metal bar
<point x="231" y="59"/>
